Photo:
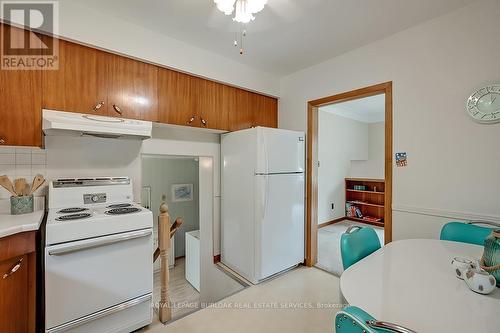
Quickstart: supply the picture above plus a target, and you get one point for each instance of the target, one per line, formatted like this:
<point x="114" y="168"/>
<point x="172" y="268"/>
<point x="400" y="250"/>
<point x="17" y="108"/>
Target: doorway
<point x="174" y="180"/>
<point x="348" y="185"/>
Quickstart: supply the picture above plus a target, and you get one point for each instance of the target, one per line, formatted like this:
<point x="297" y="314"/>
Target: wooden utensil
<point x="37" y="182"/>
<point x="19" y="185"/>
<point x="7" y="184"/>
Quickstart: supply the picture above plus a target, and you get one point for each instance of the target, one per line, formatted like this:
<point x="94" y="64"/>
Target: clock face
<point x="484" y="104"/>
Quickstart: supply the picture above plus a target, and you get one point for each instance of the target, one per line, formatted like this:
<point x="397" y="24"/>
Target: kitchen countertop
<point x="14" y="224"/>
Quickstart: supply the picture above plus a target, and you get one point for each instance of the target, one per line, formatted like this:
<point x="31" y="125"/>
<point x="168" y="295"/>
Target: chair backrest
<point x="352" y="319"/>
<point x="465" y="233"/>
<point x="356" y="243"/>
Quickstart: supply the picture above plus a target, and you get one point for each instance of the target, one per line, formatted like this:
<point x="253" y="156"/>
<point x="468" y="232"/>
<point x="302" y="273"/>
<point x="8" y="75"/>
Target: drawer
<point x="17" y="245"/>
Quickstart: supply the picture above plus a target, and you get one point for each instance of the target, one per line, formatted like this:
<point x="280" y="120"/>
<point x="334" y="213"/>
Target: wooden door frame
<point x="312" y="157"/>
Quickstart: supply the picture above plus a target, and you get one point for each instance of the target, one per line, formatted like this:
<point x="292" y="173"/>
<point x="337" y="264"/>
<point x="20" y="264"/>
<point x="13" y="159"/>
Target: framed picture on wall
<point x="182" y="192"/>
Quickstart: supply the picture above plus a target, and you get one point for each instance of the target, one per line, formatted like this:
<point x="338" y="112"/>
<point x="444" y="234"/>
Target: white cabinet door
<point x="280" y="223"/>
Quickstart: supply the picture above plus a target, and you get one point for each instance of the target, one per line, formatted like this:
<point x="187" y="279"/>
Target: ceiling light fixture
<point x="244" y="8"/>
<point x="244" y="13"/>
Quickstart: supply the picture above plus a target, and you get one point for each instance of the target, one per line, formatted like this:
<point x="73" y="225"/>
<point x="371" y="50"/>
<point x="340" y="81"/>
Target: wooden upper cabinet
<point x="177" y="98"/>
<point x="240" y="109"/>
<point x="20" y="102"/>
<point x="249" y="109"/>
<point x="210" y="107"/>
<point x="79" y="85"/>
<point x="265" y="111"/>
<point x="132" y="88"/>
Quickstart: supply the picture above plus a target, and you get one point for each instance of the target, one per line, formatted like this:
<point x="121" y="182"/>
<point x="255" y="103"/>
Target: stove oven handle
<point x="98" y="242"/>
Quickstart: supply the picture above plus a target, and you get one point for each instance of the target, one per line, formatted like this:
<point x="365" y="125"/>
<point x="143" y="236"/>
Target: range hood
<point x="78" y="124"/>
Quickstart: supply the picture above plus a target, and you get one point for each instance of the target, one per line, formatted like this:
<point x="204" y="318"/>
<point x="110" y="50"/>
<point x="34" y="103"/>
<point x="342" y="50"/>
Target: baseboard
<point x="449" y="214"/>
<point x="340" y="219"/>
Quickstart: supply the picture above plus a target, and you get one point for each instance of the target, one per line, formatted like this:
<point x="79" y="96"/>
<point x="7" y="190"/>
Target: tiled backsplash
<point x="19" y="162"/>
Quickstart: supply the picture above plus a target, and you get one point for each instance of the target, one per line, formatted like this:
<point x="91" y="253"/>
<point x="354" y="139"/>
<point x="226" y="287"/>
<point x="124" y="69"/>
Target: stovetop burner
<point x="120" y="205"/>
<point x="72" y="210"/>
<point x="123" y="210"/>
<point x="74" y="217"/>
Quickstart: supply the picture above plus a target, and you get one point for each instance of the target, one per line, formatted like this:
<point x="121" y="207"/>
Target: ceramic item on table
<point x="21" y="205"/>
<point x="460" y="265"/>
<point x="491" y="257"/>
<point x="479" y="281"/>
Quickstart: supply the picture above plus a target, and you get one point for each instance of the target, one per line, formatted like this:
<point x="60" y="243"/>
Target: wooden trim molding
<point x="312" y="162"/>
<point x="340" y="219"/>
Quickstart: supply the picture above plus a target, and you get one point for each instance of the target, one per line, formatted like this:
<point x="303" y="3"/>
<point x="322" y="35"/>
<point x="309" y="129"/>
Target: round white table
<point x="412" y="283"/>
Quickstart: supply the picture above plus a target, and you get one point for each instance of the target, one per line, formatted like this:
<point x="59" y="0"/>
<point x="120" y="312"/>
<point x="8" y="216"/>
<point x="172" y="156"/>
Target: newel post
<point x="164" y="309"/>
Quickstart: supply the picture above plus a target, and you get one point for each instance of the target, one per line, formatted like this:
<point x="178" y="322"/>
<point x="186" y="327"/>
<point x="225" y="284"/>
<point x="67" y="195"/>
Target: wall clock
<point x="484" y="104"/>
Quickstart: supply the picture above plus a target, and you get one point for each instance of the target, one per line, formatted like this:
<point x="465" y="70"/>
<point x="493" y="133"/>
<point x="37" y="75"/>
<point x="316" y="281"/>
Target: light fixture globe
<point x="244" y="8"/>
<point x="225" y="6"/>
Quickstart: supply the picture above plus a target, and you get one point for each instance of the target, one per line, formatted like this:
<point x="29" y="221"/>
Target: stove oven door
<point x="88" y="279"/>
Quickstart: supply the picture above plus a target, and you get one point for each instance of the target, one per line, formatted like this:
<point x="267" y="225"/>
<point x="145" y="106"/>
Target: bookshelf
<point x="367" y="196"/>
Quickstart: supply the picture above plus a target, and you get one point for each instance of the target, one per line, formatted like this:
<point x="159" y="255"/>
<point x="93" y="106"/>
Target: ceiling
<point x="288" y="35"/>
<point x="367" y="110"/>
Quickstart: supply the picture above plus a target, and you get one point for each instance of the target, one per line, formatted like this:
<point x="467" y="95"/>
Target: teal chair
<point x="352" y="319"/>
<point x="356" y="243"/>
<point x="467" y="232"/>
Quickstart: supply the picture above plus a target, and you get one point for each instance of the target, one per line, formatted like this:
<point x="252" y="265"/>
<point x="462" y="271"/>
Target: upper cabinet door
<point x="132" y="88"/>
<point x="177" y="98"/>
<point x="265" y="111"/>
<point x="80" y="83"/>
<point x="20" y="101"/>
<point x="240" y="109"/>
<point x="210" y="106"/>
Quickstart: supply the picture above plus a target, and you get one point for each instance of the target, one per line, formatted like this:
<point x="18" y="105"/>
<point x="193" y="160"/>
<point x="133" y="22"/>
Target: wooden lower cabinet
<point x="18" y="283"/>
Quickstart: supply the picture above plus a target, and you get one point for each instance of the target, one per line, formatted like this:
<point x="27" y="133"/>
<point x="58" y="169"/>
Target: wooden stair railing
<point x="165" y="232"/>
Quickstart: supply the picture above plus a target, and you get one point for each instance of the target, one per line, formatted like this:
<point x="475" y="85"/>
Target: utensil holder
<point x="21" y="205"/>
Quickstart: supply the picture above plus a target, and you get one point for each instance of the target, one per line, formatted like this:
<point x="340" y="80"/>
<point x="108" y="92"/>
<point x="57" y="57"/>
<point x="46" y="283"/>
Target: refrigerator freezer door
<point x="279" y="223"/>
<point x="279" y="151"/>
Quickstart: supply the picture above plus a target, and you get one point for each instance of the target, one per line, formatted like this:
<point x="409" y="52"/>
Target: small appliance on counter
<point x="98" y="257"/>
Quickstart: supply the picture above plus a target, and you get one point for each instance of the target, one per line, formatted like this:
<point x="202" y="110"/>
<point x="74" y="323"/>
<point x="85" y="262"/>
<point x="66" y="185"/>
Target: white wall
<point x="160" y="173"/>
<point x="89" y="26"/>
<point x="453" y="162"/>
<point x="373" y="167"/>
<point x="341" y="140"/>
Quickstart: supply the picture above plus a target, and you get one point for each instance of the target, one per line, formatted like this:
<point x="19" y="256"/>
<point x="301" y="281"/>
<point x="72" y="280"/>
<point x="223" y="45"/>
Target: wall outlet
<point x="333" y="206"/>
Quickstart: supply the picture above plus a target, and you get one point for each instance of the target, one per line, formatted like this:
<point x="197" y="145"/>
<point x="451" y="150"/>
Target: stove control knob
<point x="95" y="198"/>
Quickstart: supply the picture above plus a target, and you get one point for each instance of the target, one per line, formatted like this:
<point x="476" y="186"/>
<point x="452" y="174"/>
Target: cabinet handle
<point x="2" y="141"/>
<point x="98" y="106"/>
<point x="191" y="120"/>
<point x="203" y="122"/>
<point x="14" y="268"/>
<point x="117" y="109"/>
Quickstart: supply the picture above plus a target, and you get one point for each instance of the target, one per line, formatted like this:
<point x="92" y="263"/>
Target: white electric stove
<point x="98" y="257"/>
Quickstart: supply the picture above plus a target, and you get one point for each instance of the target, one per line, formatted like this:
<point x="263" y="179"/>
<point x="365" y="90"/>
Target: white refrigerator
<point x="262" y="204"/>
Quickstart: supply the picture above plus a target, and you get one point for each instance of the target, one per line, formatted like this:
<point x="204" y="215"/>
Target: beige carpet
<point x="302" y="300"/>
